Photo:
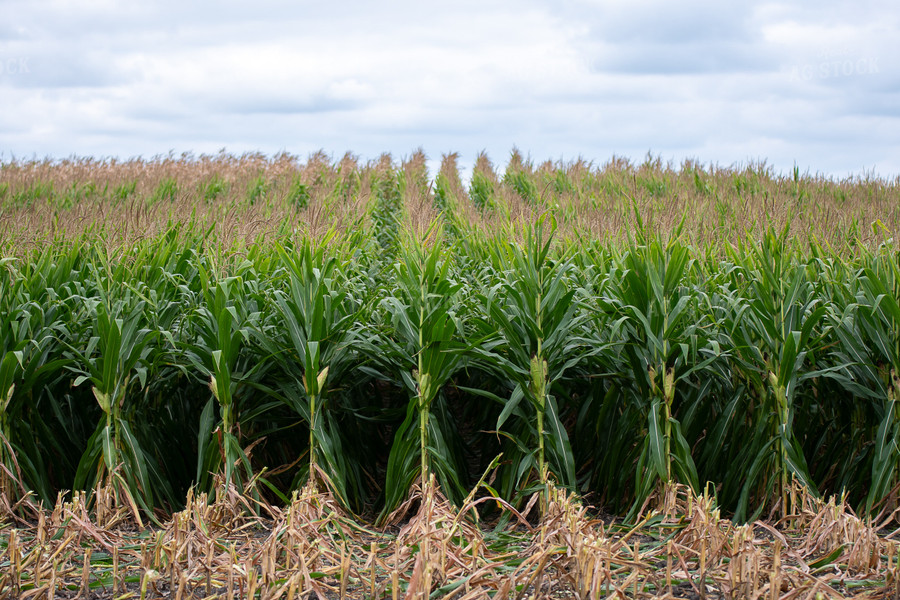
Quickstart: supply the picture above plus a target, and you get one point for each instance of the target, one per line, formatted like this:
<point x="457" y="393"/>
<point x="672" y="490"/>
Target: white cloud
<point x="812" y="83"/>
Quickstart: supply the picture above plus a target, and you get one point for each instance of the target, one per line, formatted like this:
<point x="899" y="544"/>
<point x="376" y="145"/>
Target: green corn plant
<point x="212" y="188"/>
<point x="387" y="213"/>
<point x="35" y="318"/>
<point x="869" y="362"/>
<point x="445" y="204"/>
<point x="166" y="191"/>
<point x="718" y="408"/>
<point x="10" y="485"/>
<point x="523" y="183"/>
<point x="425" y="349"/>
<point x="834" y="426"/>
<point x="125" y="191"/>
<point x="533" y="315"/>
<point x="606" y="427"/>
<point x="312" y="341"/>
<point x="166" y="271"/>
<point x="221" y="324"/>
<point x="664" y="343"/>
<point x="481" y="192"/>
<point x="298" y="194"/>
<point x="14" y="333"/>
<point x="30" y="357"/>
<point x="13" y="342"/>
<point x="774" y="327"/>
<point x="257" y="190"/>
<point x="118" y="354"/>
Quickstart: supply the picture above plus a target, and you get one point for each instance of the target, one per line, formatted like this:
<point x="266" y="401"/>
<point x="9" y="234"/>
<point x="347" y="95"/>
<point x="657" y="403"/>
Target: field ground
<point x="682" y="549"/>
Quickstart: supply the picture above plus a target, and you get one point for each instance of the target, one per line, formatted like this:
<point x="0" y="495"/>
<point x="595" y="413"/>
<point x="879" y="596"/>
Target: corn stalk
<point x="533" y="316"/>
<point x="426" y="351"/>
<point x="219" y="328"/>
<point x="774" y="327"/>
<point x="869" y="363"/>
<point x="311" y="339"/>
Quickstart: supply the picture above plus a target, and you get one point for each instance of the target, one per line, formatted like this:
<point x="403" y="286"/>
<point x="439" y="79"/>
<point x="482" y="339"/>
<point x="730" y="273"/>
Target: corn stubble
<point x="310" y="548"/>
<point x="236" y="363"/>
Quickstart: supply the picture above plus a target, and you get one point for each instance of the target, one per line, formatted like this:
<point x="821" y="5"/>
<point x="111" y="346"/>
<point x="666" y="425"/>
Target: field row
<point x="370" y="362"/>
<point x="226" y="358"/>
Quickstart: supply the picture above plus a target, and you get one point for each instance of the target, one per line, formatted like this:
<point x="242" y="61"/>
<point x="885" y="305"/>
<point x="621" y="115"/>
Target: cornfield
<point x="242" y="376"/>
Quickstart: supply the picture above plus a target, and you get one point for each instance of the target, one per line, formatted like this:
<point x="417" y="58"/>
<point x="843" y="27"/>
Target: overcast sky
<point x="813" y="83"/>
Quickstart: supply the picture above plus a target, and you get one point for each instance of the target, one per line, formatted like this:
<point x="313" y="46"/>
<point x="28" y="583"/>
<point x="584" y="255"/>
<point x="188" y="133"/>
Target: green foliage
<point x="387" y="213"/>
<point x="30" y="356"/>
<point x="445" y="204"/>
<point x="701" y="185"/>
<point x="125" y="191"/>
<point x="166" y="191"/>
<point x="213" y="188"/>
<point x="298" y="194"/>
<point x="654" y="185"/>
<point x="118" y="354"/>
<point x="524" y="185"/>
<point x="364" y="360"/>
<point x="868" y="328"/>
<point x="533" y="314"/>
<point x="562" y="185"/>
<point x="667" y="348"/>
<point x="257" y="189"/>
<point x="481" y="191"/>
<point x="774" y="325"/>
<point x="39" y="190"/>
<point x="424" y="351"/>
<point x="225" y="315"/>
<point x="311" y="339"/>
<point x="73" y="195"/>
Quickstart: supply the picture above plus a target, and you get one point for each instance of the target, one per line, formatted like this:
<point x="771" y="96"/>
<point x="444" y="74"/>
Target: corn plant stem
<point x="894" y="409"/>
<point x="6" y="486"/>
<point x="312" y="438"/>
<point x="540" y="428"/>
<point x="783" y="409"/>
<point x="421" y="400"/>
<point x="423" y="441"/>
<point x="667" y="427"/>
<point x="111" y="423"/>
<point x="543" y="473"/>
<point x="667" y="401"/>
<point x="782" y="451"/>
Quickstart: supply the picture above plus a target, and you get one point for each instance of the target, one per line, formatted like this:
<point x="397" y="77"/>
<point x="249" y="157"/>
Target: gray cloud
<point x="695" y="56"/>
<point x="669" y="23"/>
<point x="720" y="83"/>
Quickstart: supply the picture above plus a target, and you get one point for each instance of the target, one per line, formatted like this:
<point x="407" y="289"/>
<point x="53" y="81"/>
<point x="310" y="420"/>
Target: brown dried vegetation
<point x="680" y="547"/>
<point x="252" y="197"/>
